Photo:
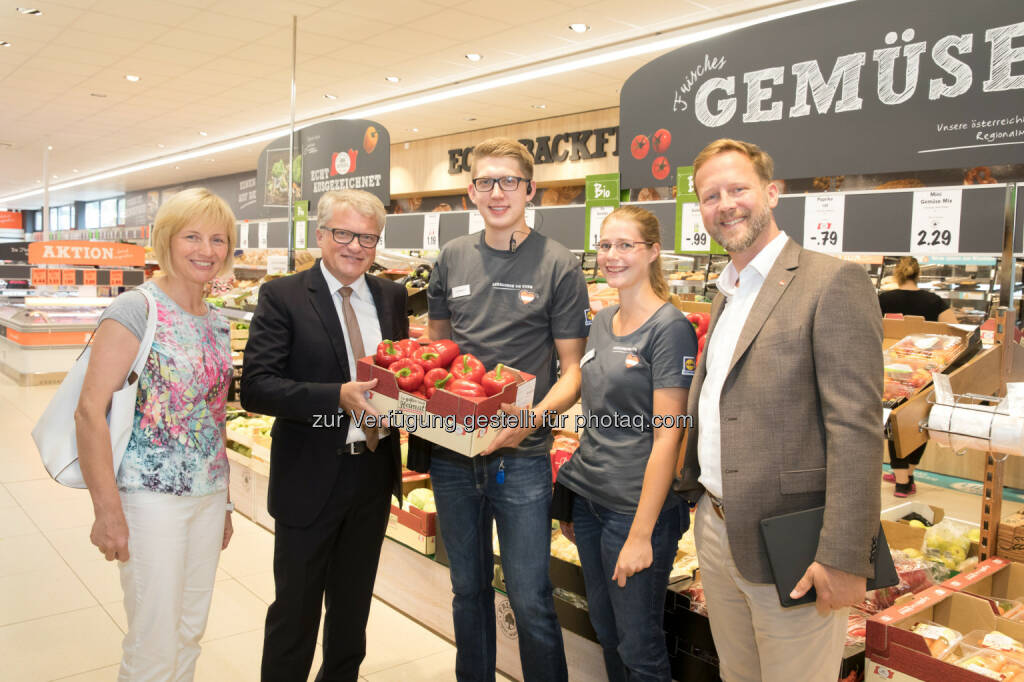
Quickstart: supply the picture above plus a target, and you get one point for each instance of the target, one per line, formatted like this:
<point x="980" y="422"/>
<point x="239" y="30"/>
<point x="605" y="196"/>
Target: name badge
<point x="460" y="291"/>
<point x="588" y="356"/>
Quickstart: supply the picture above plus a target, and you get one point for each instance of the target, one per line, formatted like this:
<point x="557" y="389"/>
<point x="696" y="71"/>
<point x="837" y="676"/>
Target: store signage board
<point x="691" y="237"/>
<point x="602" y="198"/>
<point x="579" y="145"/>
<point x="108" y="254"/>
<point x="935" y="221"/>
<point x="11" y="220"/>
<point x="823" y="222"/>
<point x="926" y="84"/>
<point x="301" y="217"/>
<point x="16" y="252"/>
<point x="333" y="155"/>
<point x="117" y="278"/>
<point x="89" y="277"/>
<point x="431" y="231"/>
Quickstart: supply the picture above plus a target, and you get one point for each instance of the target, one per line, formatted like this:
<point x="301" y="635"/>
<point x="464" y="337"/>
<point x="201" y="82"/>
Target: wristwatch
<point x="229" y="507"/>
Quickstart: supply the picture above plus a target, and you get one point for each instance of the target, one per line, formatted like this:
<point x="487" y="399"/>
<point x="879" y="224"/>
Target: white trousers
<point x="174" y="544"/>
<point x="756" y="638"/>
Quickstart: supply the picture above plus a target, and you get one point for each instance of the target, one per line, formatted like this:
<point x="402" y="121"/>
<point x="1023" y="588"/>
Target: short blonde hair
<point x="504" y="147"/>
<point x="183" y="209"/>
<point x="362" y="202"/>
<point x="763" y="164"/>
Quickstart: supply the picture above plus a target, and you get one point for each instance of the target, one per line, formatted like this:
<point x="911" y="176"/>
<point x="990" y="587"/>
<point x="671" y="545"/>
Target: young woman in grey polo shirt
<point x="636" y="373"/>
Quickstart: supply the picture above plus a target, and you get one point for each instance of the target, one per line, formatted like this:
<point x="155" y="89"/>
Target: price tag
<point x="53" y="277"/>
<point x="431" y="231"/>
<point x="935" y="221"/>
<point x="117" y="278"/>
<point x="476" y="222"/>
<point x="277" y="265"/>
<point x="823" y="222"/>
<point x="300" y="234"/>
<point x="261" y="235"/>
<point x="38" y="277"/>
<point x="243" y="236"/>
<point x="530" y="216"/>
<point x="89" y="277"/>
<point x="67" y="278"/>
<point x="693" y="236"/>
<point x="597" y="216"/>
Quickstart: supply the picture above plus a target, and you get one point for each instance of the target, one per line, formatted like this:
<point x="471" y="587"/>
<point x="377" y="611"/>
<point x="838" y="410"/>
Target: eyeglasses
<point x="507" y="183"/>
<point x="621" y="247"/>
<point x="366" y="240"/>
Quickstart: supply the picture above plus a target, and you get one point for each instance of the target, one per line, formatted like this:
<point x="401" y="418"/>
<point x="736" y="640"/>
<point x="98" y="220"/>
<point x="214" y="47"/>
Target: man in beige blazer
<point x="787" y="409"/>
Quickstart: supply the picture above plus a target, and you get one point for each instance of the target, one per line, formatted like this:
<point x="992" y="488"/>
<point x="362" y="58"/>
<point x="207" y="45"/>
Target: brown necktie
<point x="356" y="339"/>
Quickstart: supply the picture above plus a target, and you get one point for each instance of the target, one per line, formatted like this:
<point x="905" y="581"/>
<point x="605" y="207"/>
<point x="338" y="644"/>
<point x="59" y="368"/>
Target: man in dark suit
<point x="330" y="480"/>
<point x="787" y="410"/>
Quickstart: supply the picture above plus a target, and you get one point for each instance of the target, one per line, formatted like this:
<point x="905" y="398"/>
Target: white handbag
<point x="54" y="433"/>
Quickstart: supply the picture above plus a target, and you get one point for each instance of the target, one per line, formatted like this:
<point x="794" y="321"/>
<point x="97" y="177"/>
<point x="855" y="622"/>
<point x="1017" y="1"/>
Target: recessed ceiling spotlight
<point x="210" y="160"/>
<point x="32" y="11"/>
<point x="49" y="147"/>
<point x="392" y="79"/>
<point x="474" y="57"/>
<point x="328" y="95"/>
<point x="132" y="77"/>
<point x="74" y="170"/>
<point x="4" y="43"/>
<point x="579" y="28"/>
<point x="55" y="177"/>
<point x="203" y="133"/>
<point x="540" y="106"/>
<point x="470" y="118"/>
<point x="414" y="130"/>
<point x="177" y="168"/>
<point x="159" y="145"/>
<point x="97" y="94"/>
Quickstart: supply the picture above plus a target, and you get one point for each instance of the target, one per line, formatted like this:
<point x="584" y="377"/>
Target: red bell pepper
<point x="408" y="346"/>
<point x="447" y="349"/>
<point x="699" y="321"/>
<point x="466" y="388"/>
<point x="435" y="379"/>
<point x="427" y="358"/>
<point x="408" y="374"/>
<point x="467" y="366"/>
<point x="495" y="381"/>
<point x="387" y="353"/>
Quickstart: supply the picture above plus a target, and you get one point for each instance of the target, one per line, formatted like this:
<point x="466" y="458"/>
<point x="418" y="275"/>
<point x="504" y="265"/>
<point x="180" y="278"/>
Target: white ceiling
<point x="224" y="67"/>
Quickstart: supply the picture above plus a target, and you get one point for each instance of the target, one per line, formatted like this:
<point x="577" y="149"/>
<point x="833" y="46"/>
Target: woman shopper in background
<point x="164" y="514"/>
<point x="639" y="362"/>
<point x="908" y="299"/>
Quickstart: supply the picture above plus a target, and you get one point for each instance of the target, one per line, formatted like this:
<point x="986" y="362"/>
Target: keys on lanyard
<point x="500" y="477"/>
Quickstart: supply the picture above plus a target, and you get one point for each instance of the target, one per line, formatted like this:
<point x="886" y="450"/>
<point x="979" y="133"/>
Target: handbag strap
<point x="147" y="339"/>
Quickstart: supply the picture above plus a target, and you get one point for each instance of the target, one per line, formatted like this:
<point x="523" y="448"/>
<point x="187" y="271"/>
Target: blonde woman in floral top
<point x="164" y="515"/>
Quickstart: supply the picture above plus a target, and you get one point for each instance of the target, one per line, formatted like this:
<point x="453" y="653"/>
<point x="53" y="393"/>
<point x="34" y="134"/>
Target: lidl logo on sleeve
<point x="689" y="365"/>
<point x="588" y="314"/>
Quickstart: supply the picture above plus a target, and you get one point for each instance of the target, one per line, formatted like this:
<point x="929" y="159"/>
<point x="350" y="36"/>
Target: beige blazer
<point x="801" y="412"/>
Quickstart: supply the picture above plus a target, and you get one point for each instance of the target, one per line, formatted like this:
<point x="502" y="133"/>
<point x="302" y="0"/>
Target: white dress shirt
<point x="740" y="290"/>
<point x="369" y="328"/>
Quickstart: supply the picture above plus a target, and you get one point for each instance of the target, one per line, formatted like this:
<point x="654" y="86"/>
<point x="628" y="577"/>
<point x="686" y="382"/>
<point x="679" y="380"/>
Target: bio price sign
<point x="859" y="87"/>
<point x="602" y="199"/>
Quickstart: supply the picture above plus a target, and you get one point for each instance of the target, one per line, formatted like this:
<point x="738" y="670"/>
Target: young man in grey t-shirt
<point x="507" y="295"/>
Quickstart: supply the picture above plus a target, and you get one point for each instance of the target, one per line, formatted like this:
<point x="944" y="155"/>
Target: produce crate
<point x="413" y="527"/>
<point x="1010" y="544"/>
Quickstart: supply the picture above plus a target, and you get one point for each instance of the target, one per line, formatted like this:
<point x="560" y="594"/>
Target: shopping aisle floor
<point x="61" y="616"/>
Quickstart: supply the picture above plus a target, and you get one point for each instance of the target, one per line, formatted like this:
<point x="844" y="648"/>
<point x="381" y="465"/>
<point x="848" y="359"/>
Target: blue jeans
<point x="468" y="498"/>
<point x="628" y="620"/>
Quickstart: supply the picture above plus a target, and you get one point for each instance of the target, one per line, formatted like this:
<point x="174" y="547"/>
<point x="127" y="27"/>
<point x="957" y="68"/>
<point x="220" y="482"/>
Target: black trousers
<point x="332" y="562"/>
<point x="913" y="457"/>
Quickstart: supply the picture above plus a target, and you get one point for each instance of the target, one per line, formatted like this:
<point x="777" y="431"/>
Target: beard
<point x="757" y="223"/>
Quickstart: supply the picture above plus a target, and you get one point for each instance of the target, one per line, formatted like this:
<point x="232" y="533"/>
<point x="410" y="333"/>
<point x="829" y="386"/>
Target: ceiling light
<point x="392" y="79"/>
<point x="29" y="10"/>
<point x="210" y="160"/>
<point x="328" y="95"/>
<point x="97" y="94"/>
<point x="474" y="57"/>
<point x="579" y="28"/>
<point x="74" y="170"/>
<point x="469" y="118"/>
<point x="55" y="177"/>
<point x="177" y="168"/>
<point x="203" y="133"/>
<point x="49" y="147"/>
<point x="132" y="77"/>
<point x="4" y="43"/>
<point x="159" y="145"/>
<point x="540" y="106"/>
<point x="414" y="130"/>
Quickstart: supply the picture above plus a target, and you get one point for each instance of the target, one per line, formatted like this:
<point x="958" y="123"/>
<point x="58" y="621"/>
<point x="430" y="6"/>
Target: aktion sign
<point x="108" y="254"/>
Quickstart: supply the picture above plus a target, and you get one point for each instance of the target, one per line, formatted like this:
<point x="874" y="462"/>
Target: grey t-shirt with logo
<point x="620" y="375"/>
<point x="510" y="306"/>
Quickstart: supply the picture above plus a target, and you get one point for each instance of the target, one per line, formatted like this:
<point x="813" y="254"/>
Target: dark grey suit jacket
<point x="801" y="412"/>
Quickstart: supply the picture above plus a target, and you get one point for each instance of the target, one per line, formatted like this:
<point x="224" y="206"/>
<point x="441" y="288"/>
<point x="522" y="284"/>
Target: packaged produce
<point x="939" y="638"/>
<point x="946" y="545"/>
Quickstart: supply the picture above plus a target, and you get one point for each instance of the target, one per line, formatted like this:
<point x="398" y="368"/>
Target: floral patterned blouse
<point x="177" y="445"/>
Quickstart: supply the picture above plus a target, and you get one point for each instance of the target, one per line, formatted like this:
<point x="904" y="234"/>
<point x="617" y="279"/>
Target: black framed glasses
<point x="507" y="183"/>
<point x="367" y="240"/>
<point x="621" y="247"/>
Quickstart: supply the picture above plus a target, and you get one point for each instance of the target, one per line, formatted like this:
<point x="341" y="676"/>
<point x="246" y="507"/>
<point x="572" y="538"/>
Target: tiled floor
<point x="61" y="616"/>
<point x="60" y="603"/>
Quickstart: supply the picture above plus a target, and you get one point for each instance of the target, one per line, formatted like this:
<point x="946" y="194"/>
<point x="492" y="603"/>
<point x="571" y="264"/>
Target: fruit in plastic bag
<point x="947" y="543"/>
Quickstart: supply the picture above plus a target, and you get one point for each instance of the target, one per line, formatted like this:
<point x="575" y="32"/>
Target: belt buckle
<point x="356" y="448"/>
